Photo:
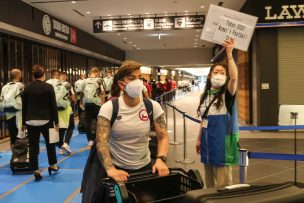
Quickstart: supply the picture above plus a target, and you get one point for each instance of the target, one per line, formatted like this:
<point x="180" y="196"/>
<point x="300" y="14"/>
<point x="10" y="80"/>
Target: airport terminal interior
<point x="175" y="44"/>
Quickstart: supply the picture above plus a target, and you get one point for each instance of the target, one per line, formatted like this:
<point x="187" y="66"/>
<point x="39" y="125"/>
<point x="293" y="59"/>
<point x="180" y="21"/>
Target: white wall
<point x="171" y="56"/>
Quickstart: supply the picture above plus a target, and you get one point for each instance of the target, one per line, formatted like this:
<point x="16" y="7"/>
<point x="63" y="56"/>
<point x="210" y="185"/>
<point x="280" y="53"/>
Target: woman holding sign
<point x="217" y="142"/>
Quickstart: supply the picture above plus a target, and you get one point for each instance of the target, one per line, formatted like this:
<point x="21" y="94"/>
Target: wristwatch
<point x="163" y="158"/>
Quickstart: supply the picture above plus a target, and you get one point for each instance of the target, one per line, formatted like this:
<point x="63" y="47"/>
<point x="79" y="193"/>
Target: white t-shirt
<point x="129" y="136"/>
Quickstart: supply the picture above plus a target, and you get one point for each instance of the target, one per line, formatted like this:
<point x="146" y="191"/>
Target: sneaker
<point x="90" y="143"/>
<point x="66" y="149"/>
<point x="61" y="152"/>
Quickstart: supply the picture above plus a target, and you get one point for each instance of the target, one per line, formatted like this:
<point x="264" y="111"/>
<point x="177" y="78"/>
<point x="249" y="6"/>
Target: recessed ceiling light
<point x="197" y="30"/>
<point x="88" y="12"/>
<point x="118" y="34"/>
<point x="202" y="6"/>
<point x="134" y="45"/>
<point x="124" y="38"/>
<point x="138" y="48"/>
<point x="195" y="43"/>
<point x="186" y="11"/>
<point x="73" y="2"/>
<point x="130" y="42"/>
<point x="108" y="15"/>
<point x="194" y="46"/>
<point x="165" y="12"/>
<point x="111" y="17"/>
<point x="147" y="13"/>
<point x="129" y="14"/>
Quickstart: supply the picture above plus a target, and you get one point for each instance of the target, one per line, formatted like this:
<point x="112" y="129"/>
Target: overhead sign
<point x="223" y="23"/>
<point x="58" y="30"/>
<point x="279" y="13"/>
<point x="151" y="23"/>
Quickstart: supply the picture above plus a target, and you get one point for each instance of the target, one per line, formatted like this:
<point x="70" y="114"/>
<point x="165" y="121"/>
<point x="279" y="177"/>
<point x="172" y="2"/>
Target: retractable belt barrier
<point x="244" y="155"/>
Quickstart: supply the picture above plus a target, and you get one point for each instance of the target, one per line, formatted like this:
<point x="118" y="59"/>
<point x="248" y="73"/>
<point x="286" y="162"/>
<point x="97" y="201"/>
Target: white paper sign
<point x="53" y="135"/>
<point x="285" y="114"/>
<point x="222" y="23"/>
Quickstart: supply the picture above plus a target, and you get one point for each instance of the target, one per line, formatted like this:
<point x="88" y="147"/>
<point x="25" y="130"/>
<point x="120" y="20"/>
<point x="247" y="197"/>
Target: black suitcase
<point x="147" y="187"/>
<point x="20" y="161"/>
<point x="262" y="193"/>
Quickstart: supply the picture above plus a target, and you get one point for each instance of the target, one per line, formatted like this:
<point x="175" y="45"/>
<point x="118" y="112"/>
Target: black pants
<point x="34" y="137"/>
<point x="91" y="113"/>
<point x="12" y="129"/>
<point x="70" y="130"/>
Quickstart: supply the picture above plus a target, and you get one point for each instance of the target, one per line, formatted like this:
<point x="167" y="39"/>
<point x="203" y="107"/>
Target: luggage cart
<point x="147" y="187"/>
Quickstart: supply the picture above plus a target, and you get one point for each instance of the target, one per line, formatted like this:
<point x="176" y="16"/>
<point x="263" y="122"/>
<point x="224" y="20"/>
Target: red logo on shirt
<point x="143" y="115"/>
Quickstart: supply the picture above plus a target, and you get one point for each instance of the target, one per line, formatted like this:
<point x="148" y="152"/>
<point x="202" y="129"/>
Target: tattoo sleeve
<point x="162" y="136"/>
<point x="102" y="142"/>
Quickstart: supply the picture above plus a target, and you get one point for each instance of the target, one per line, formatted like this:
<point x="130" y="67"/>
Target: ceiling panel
<point x="175" y="39"/>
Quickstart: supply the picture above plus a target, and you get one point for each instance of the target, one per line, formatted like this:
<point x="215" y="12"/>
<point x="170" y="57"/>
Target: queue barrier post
<point x="243" y="164"/>
<point x="174" y="142"/>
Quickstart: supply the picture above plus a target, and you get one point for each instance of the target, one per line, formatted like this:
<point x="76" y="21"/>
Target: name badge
<point x="205" y="123"/>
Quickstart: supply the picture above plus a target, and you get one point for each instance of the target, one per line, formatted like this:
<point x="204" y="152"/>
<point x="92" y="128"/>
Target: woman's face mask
<point x="218" y="80"/>
<point x="134" y="88"/>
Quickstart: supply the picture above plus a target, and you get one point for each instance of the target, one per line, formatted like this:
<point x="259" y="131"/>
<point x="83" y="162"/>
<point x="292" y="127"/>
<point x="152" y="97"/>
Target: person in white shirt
<point x="93" y="98"/>
<point x="123" y="148"/>
<point x="108" y="82"/>
<point x="11" y="103"/>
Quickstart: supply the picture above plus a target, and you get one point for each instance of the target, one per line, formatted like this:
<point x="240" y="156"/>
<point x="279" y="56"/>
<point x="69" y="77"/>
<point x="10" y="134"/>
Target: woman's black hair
<point x="219" y="100"/>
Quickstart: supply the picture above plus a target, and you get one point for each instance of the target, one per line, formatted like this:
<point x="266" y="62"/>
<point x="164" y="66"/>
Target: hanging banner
<point x="223" y="23"/>
<point x="151" y="23"/>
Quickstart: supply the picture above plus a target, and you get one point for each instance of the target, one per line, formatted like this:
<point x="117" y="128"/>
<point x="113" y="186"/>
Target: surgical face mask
<point x="218" y="80"/>
<point x="134" y="88"/>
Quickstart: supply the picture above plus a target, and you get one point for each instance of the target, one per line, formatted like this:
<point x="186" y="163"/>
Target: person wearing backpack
<point x="65" y="141"/>
<point x="11" y="104"/>
<point x="123" y="130"/>
<point x="64" y="109"/>
<point x="93" y="98"/>
<point x="79" y="93"/>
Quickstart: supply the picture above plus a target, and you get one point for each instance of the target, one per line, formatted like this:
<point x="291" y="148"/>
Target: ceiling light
<point x="118" y="34"/>
<point x="129" y="14"/>
<point x="134" y="45"/>
<point x="197" y="30"/>
<point x="124" y="38"/>
<point x="165" y="12"/>
<point x="109" y="15"/>
<point x="73" y="2"/>
<point x="195" y="43"/>
<point x="138" y="48"/>
<point x="202" y="6"/>
<point x="194" y="46"/>
<point x="186" y="11"/>
<point x="130" y="42"/>
<point x="147" y="13"/>
<point x="88" y="12"/>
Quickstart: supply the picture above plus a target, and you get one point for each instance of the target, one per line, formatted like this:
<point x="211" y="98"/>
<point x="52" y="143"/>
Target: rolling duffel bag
<point x="262" y="193"/>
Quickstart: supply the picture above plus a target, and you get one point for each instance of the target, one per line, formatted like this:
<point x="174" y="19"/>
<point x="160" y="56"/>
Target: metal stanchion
<point x="185" y="160"/>
<point x="166" y="112"/>
<point x="243" y="164"/>
<point x="174" y="128"/>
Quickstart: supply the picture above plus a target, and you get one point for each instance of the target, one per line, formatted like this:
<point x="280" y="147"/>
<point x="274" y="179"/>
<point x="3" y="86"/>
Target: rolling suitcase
<point x="263" y="193"/>
<point x="20" y="161"/>
<point x="147" y="187"/>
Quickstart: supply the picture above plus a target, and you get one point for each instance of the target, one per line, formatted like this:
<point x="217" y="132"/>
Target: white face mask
<point x="218" y="80"/>
<point x="134" y="88"/>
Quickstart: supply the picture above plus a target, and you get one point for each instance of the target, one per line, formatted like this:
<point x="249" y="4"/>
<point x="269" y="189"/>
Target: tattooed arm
<point x="163" y="145"/>
<point x="103" y="150"/>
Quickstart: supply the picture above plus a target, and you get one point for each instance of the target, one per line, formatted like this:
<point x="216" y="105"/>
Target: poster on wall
<point x="222" y="23"/>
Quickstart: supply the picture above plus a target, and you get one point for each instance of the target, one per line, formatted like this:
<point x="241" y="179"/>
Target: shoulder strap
<point x="205" y="115"/>
<point x="148" y="106"/>
<point x="149" y="109"/>
<point x="115" y="110"/>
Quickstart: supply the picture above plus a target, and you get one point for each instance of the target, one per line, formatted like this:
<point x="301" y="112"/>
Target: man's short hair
<point x="38" y="71"/>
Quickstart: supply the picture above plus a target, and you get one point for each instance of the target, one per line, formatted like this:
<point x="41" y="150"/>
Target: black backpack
<point x="148" y="105"/>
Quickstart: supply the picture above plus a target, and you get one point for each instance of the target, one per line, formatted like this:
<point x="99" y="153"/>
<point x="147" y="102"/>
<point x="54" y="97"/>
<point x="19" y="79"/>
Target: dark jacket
<point x="39" y="102"/>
